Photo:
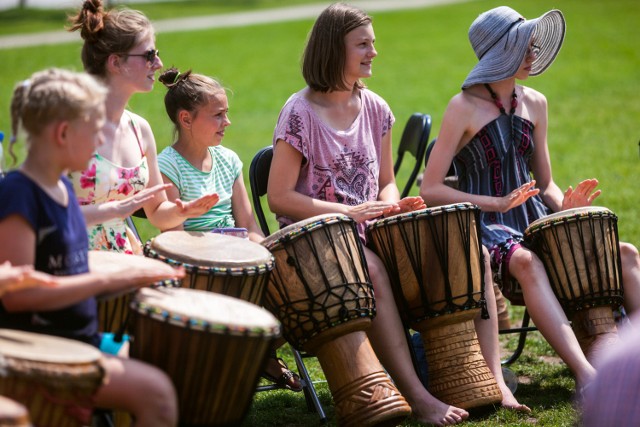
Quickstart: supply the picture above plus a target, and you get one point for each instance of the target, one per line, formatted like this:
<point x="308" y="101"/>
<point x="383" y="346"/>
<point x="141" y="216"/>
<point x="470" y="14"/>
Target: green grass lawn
<point x="29" y="20"/>
<point x="424" y="55"/>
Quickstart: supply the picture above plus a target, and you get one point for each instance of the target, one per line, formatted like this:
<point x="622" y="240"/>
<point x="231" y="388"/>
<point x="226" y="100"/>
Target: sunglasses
<point x="149" y="55"/>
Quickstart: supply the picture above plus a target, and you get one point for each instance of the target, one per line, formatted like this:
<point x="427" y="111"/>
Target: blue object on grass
<point x="109" y="345"/>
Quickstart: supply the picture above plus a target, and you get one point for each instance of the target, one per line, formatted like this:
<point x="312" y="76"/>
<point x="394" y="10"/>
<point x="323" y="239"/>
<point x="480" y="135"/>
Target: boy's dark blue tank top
<point x="61" y="249"/>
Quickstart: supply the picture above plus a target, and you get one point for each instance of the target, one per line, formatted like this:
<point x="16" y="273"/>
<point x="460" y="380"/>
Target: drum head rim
<point x="144" y="308"/>
<point x="569" y="216"/>
<point x="223" y="270"/>
<point x="34" y="348"/>
<point x="161" y="251"/>
<point x="427" y="212"/>
<point x="294" y="231"/>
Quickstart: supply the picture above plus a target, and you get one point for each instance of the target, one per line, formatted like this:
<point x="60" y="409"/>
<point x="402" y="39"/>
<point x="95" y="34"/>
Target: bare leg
<point x="631" y="278"/>
<point x="547" y="314"/>
<point x="487" y="330"/>
<point x="501" y="305"/>
<point x="140" y="389"/>
<point x="388" y="340"/>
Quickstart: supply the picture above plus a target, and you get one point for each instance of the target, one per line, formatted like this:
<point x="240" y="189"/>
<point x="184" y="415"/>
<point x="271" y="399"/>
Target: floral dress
<point x="104" y="181"/>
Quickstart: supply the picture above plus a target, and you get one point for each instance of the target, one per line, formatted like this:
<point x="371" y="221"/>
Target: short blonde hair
<point x="53" y="94"/>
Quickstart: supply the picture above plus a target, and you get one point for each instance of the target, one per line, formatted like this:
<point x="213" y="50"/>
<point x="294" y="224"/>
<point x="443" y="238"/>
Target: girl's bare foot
<point x="434" y="412"/>
<point x="510" y="402"/>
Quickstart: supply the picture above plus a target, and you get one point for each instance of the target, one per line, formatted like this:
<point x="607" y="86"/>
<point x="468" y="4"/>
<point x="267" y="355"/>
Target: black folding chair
<point x="258" y="180"/>
<point x="452" y="181"/>
<point x="415" y="137"/>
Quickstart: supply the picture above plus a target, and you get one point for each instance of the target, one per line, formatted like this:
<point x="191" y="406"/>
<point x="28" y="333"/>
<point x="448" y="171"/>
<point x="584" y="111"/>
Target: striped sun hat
<point x="500" y="38"/>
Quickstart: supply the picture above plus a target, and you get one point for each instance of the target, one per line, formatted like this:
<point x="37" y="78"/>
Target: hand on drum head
<point x="583" y="195"/>
<point x="12" y="278"/>
<point x="371" y="209"/>
<point x="410" y="204"/>
<point x="517" y="197"/>
<point x="198" y="206"/>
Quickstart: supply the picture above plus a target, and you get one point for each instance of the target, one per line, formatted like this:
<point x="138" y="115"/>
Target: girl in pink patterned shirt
<point x="333" y="154"/>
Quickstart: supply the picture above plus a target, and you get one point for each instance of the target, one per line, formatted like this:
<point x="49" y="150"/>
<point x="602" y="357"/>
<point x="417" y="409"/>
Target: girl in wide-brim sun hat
<point x="494" y="132"/>
<point x="500" y="38"/>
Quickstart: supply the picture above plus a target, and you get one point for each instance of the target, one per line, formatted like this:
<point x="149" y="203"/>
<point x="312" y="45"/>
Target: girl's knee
<point x="377" y="271"/>
<point x="153" y="396"/>
<point x="160" y="386"/>
<point x="524" y="260"/>
<point x="161" y="399"/>
<point x="629" y="255"/>
<point x="526" y="268"/>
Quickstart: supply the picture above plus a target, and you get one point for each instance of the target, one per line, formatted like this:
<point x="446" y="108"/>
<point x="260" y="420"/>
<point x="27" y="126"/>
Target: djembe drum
<point x="433" y="257"/>
<point x="13" y="414"/>
<point x="580" y="251"/>
<point x="212" y="346"/>
<point x="215" y="262"/>
<point x="113" y="309"/>
<point x="54" y="378"/>
<point x="321" y="292"/>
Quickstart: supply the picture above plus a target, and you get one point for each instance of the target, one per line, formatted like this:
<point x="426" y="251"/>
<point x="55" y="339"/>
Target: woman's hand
<point x="583" y="195"/>
<point x="126" y="207"/>
<point x="517" y="197"/>
<point x="197" y="207"/>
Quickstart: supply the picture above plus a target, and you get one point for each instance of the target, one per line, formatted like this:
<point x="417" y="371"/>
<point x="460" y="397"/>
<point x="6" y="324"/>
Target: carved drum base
<point x="458" y="374"/>
<point x="363" y="393"/>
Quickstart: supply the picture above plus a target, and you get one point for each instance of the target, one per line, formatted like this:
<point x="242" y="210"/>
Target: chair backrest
<point x="414" y="141"/>
<point x="452" y="169"/>
<point x="258" y="180"/>
<point x="452" y="177"/>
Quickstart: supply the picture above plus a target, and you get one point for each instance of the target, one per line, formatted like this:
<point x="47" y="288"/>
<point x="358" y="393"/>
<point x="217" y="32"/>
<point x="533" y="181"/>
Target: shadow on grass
<point x="287" y="408"/>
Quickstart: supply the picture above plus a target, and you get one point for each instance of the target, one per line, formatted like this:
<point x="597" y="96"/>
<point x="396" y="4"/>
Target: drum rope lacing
<point x="354" y="299"/>
<point x="600" y="293"/>
<point x="409" y="233"/>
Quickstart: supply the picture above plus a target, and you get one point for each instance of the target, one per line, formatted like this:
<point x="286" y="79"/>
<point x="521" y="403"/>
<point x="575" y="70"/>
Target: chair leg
<point x="102" y="418"/>
<point x="522" y="338"/>
<point x="313" y="403"/>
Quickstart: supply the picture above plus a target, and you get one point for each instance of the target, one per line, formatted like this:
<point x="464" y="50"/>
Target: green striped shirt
<point x="193" y="183"/>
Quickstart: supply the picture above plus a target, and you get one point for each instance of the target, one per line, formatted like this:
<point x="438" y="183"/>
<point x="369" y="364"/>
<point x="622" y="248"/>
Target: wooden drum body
<point x="215" y="262"/>
<point x="212" y="346"/>
<point x="113" y="309"/>
<point x="321" y="292"/>
<point x="434" y="260"/>
<point x="580" y="252"/>
<point x="54" y="378"/>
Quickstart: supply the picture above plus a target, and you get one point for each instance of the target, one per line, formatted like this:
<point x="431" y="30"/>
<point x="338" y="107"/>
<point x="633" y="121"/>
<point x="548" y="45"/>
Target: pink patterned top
<point x="104" y="181"/>
<point x="337" y="166"/>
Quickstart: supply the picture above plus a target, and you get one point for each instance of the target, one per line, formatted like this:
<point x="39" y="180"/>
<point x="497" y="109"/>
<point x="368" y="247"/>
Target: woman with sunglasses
<point x="123" y="175"/>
